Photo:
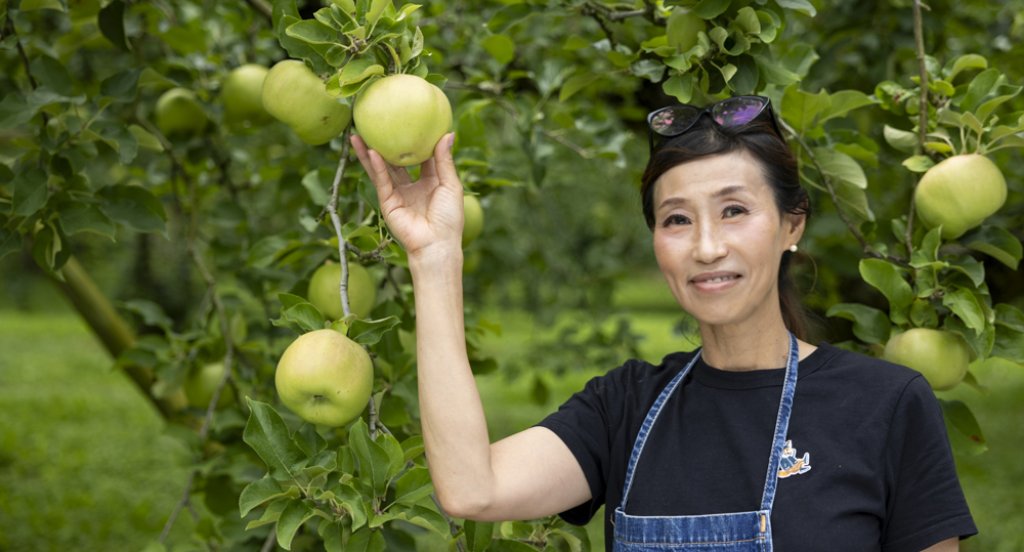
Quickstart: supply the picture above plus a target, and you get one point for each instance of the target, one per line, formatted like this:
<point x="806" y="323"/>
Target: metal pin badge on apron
<point x="730" y="532"/>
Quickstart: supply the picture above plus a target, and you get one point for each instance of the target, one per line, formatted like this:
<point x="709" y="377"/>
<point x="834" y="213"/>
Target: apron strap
<point x="645" y="428"/>
<point x="771" y="480"/>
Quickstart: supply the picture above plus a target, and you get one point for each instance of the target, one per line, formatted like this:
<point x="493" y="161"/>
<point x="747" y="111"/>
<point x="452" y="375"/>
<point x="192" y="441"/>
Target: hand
<point x="425" y="215"/>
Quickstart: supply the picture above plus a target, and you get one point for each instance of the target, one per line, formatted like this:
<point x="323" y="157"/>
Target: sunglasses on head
<point x="674" y="120"/>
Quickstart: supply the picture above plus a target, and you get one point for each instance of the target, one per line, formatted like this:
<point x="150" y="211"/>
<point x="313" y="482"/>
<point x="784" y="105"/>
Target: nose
<point x="710" y="245"/>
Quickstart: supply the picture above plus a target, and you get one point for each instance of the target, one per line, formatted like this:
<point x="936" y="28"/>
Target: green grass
<point x="85" y="464"/>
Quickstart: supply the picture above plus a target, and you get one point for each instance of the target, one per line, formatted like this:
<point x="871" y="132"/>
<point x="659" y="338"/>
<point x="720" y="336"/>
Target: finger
<point x="444" y="164"/>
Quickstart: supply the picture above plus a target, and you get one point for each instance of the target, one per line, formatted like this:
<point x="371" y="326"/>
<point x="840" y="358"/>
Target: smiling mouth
<point x="716" y="279"/>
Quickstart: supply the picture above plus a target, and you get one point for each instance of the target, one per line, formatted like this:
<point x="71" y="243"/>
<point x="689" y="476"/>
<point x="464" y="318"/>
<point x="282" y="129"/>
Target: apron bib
<point x="730" y="532"/>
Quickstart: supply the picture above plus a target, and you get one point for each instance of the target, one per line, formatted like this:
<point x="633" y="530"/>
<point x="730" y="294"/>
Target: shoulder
<point x="834" y="362"/>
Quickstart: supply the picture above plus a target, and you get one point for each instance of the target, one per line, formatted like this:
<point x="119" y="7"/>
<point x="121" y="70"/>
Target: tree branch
<point x="332" y="209"/>
<point x="865" y="246"/>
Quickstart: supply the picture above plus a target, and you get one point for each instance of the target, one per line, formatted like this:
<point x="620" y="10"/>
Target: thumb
<point x="445" y="163"/>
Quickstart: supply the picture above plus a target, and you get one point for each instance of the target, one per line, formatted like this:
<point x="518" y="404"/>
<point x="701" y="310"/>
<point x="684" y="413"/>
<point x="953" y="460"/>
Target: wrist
<point x="436" y="258"/>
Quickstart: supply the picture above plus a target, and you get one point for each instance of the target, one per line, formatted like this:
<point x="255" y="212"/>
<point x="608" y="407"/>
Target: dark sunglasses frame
<point x="697" y="112"/>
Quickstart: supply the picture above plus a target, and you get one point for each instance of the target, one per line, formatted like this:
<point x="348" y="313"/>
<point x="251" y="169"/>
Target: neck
<point x="740" y="349"/>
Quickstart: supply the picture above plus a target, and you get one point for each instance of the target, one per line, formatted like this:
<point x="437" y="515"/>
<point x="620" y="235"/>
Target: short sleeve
<point x="582" y="423"/>
<point x="925" y="503"/>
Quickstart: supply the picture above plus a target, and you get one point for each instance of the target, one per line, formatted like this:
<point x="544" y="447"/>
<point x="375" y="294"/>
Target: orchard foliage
<point x="230" y="223"/>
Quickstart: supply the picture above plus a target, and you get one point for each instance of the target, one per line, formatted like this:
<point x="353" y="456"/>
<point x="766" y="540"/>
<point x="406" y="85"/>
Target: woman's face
<point x="719" y="238"/>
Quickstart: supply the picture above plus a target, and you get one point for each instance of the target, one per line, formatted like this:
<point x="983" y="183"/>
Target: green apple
<point x="941" y="356"/>
<point x="959" y="193"/>
<point x="179" y="114"/>
<point x="242" y="94"/>
<point x="325" y="378"/>
<point x="474" y="219"/>
<point x="296" y="96"/>
<point x="324" y="292"/>
<point x="402" y="117"/>
<point x="201" y="383"/>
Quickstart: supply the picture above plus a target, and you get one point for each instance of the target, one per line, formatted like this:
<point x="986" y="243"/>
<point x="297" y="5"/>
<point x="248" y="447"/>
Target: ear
<point x="794" y="226"/>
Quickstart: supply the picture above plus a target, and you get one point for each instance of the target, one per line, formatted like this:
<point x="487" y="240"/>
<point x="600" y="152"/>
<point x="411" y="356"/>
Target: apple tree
<point x="147" y="127"/>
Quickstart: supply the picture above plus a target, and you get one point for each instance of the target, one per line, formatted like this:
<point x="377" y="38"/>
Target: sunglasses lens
<point x="738" y="111"/>
<point x="674" y="120"/>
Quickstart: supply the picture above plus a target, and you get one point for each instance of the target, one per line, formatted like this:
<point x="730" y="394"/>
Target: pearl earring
<point x="792" y="248"/>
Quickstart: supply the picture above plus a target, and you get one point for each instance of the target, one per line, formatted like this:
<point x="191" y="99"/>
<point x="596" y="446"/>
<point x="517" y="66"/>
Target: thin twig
<point x="452" y="526"/>
<point x="332" y="209"/>
<point x="271" y="540"/>
<point x="186" y="494"/>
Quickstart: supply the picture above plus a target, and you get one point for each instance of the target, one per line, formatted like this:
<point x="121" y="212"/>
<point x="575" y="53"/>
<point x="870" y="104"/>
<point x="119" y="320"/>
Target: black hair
<point x="779" y="167"/>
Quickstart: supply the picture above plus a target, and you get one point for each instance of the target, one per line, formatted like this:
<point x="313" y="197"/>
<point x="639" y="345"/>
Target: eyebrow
<point x="675" y="200"/>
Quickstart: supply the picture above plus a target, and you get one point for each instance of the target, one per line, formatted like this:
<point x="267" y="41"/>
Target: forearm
<point x="454" y="426"/>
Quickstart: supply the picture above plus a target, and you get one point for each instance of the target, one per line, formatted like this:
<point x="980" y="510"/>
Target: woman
<point x="757" y="441"/>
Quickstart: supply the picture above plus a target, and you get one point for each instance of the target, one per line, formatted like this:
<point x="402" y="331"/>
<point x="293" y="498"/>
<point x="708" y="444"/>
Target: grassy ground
<point x="84" y="464"/>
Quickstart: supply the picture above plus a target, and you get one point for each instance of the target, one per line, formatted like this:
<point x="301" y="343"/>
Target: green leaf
<point x="870" y="325"/>
<point x="980" y="87"/>
<point x="312" y="31"/>
<point x="365" y="540"/>
<point x="373" y="459"/>
<point x="267" y="434"/>
<point x="710" y="9"/>
<point x="52" y="74"/>
<point x="887" y="278"/>
<point x="575" y="83"/>
<point x="303" y="316"/>
<point x="841" y="103"/>
<point x="746" y="19"/>
<point x="413" y="486"/>
<point x="269" y="515"/>
<point x="111" y="24"/>
<point x="508" y="16"/>
<point x="478" y="535"/>
<point x="258" y="492"/>
<point x="840" y="166"/>
<point x="998" y="243"/>
<point x="774" y="72"/>
<point x="30" y="192"/>
<point x="680" y="87"/>
<point x="802" y="6"/>
<point x="10" y="242"/>
<point x="966" y="62"/>
<point x="370" y="332"/>
<point x="358" y="70"/>
<point x="295" y="514"/>
<point x="500" y="47"/>
<point x="923" y="314"/>
<point x="918" y="163"/>
<point x="133" y="206"/>
<point x="901" y="140"/>
<point x="985" y="110"/>
<point x="121" y="85"/>
<point x="1010" y="317"/>
<point x="84" y="217"/>
<point x="966" y="306"/>
<point x="802" y="109"/>
<point x="959" y="415"/>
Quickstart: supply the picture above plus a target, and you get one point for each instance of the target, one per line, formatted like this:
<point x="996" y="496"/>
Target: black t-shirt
<point x="882" y="475"/>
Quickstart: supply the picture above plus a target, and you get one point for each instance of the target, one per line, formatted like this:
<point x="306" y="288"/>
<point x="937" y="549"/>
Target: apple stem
<point x="332" y="209"/>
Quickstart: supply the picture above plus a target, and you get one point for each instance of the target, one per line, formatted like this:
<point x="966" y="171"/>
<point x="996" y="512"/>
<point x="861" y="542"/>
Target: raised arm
<point x="528" y="475"/>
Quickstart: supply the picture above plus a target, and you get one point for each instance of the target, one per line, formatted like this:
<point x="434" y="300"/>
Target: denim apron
<point x="731" y="532"/>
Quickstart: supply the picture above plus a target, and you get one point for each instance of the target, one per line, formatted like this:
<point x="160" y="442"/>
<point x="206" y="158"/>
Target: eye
<point x="732" y="211"/>
<point x="675" y="219"/>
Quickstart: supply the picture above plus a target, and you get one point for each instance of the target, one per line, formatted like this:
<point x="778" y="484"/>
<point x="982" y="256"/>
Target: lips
<point x="715" y="280"/>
